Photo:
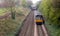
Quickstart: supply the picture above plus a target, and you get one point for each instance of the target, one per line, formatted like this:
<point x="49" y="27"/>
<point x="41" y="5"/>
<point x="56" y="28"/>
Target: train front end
<point x="38" y="20"/>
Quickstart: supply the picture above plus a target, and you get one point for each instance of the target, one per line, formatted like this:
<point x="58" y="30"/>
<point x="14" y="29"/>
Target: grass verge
<point x="53" y="30"/>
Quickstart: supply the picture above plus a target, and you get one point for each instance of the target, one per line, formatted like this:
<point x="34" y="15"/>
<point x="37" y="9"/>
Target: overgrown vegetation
<point x="51" y="13"/>
<point x="8" y="26"/>
<point x="53" y="30"/>
<point x="52" y="16"/>
<point x="3" y="11"/>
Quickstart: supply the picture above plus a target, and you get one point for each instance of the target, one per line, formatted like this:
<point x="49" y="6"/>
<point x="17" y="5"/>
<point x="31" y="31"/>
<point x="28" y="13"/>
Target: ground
<point x="10" y="27"/>
<point x="53" y="30"/>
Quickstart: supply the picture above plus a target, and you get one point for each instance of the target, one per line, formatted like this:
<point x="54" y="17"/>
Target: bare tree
<point x="29" y="3"/>
<point x="12" y="7"/>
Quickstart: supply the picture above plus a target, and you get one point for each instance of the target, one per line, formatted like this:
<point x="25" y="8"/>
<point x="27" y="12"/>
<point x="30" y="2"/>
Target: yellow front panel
<point x="38" y="20"/>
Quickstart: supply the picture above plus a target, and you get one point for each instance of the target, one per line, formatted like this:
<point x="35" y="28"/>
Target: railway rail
<point x="42" y="30"/>
<point x="29" y="27"/>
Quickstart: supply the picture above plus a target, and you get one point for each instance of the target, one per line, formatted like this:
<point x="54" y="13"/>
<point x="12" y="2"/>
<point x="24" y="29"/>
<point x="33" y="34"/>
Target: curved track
<point x="30" y="28"/>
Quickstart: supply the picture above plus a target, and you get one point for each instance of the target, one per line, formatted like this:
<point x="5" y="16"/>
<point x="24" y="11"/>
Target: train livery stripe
<point x="38" y="20"/>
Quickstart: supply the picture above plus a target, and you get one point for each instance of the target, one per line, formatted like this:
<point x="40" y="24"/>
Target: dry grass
<point x="9" y="27"/>
<point x="3" y="11"/>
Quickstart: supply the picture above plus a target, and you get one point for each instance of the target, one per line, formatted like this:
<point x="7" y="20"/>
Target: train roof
<point x="37" y="13"/>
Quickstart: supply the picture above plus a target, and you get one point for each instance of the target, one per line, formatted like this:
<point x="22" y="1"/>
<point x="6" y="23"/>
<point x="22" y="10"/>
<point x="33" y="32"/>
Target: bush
<point x="51" y="14"/>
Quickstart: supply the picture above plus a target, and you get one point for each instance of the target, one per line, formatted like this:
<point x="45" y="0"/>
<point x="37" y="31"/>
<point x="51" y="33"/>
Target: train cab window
<point x="38" y="17"/>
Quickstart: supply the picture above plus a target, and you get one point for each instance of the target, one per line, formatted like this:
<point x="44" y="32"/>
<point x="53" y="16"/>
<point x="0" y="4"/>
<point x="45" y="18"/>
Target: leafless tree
<point x="11" y="4"/>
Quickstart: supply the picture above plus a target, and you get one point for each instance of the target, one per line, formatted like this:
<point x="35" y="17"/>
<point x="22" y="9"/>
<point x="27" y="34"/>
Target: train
<point x="39" y="19"/>
<point x="33" y="7"/>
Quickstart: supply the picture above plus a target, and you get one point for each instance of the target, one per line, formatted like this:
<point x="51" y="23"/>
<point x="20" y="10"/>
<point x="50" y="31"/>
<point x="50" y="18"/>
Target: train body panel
<point x="38" y="20"/>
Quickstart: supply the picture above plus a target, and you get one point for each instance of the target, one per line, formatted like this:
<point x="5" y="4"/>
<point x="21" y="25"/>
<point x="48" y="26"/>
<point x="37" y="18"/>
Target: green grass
<point x="8" y="27"/>
<point x="3" y="11"/>
<point x="53" y="30"/>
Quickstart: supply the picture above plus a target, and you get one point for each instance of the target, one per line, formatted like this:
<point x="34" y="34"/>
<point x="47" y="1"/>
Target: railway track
<point x="42" y="31"/>
<point x="29" y="27"/>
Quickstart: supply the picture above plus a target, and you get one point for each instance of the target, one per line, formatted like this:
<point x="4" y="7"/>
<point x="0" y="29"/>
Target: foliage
<point x="52" y="14"/>
<point x="53" y="30"/>
<point x="24" y="3"/>
<point x="3" y="11"/>
<point x="9" y="27"/>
